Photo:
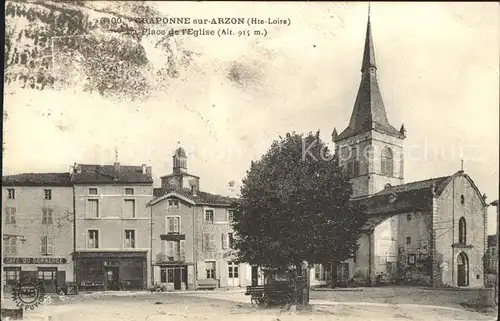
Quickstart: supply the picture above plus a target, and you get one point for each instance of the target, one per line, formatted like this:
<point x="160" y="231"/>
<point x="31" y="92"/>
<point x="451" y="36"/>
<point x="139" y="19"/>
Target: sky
<point x="437" y="67"/>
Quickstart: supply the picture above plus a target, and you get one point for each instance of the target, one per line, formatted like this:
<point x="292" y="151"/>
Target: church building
<point x="426" y="232"/>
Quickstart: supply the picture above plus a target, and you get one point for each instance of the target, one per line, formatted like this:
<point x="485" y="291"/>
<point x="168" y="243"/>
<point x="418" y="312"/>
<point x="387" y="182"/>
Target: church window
<point x="462" y="231"/>
<point x="387" y="162"/>
<point x="462" y="199"/>
<point x="353" y="163"/>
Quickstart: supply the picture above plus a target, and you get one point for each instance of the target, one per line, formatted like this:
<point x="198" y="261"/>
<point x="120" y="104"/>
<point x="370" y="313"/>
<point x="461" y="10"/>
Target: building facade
<point x="428" y="232"/>
<point x="112" y="226"/>
<point x="37" y="229"/>
<point x="192" y="234"/>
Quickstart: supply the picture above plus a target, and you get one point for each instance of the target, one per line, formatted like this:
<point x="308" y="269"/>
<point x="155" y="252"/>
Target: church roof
<point x="201" y="198"/>
<point x="404" y="198"/>
<point x="180" y="153"/>
<point x="369" y="110"/>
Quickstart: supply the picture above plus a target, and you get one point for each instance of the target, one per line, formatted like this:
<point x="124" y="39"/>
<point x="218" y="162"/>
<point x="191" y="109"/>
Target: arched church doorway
<point x="462" y="269"/>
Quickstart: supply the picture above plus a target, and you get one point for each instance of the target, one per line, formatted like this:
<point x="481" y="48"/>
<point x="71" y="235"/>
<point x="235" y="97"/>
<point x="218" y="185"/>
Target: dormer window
<point x="173" y="204"/>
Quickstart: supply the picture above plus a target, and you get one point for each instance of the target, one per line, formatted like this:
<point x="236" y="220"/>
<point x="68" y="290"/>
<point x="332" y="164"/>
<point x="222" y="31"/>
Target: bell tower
<point x="370" y="148"/>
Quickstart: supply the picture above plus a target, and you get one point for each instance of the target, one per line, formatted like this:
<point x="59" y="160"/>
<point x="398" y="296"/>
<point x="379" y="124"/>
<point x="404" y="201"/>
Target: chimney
<point x="149" y="171"/>
<point x="144" y="169"/>
<point x="117" y="170"/>
<point x="77" y="168"/>
<point x="194" y="189"/>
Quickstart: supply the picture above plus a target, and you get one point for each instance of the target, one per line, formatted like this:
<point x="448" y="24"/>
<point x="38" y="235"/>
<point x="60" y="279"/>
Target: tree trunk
<point x="334" y="274"/>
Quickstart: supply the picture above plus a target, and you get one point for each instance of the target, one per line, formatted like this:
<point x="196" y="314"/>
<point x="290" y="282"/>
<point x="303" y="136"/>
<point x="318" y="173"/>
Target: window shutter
<point x="167" y="223"/>
<point x="212" y="241"/>
<point x="50" y="213"/>
<point x="43" y="243"/>
<point x="50" y="246"/>
<point x="44" y="215"/>
<point x="206" y="241"/>
<point x="183" y="250"/>
<point x="170" y="248"/>
<point x="176" y="224"/>
<point x="224" y="240"/>
<point x="13" y="215"/>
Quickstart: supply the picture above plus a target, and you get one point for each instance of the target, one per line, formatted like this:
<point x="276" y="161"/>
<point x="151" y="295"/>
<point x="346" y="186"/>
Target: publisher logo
<point x="28" y="295"/>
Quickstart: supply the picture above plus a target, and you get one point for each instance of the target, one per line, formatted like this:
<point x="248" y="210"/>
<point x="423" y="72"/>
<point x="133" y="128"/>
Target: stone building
<point x="192" y="234"/>
<point x="37" y="229"/>
<point x="431" y="231"/>
<point x="112" y="226"/>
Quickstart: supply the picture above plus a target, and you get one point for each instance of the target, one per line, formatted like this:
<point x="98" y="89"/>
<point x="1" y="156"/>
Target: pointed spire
<point x="402" y="130"/>
<point x="334" y="134"/>
<point x="369" y="111"/>
<point x="369" y="52"/>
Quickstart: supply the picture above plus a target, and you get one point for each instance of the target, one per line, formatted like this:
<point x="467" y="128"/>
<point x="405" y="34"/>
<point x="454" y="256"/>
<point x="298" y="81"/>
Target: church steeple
<point x="369" y="52"/>
<point x="369" y="110"/>
<point x="179" y="160"/>
<point x="370" y="149"/>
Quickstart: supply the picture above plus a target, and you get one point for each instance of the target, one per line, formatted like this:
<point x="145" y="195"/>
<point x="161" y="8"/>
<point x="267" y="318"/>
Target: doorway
<point x="462" y="269"/>
<point x="48" y="277"/>
<point x="111" y="278"/>
<point x="255" y="275"/>
<point x="233" y="274"/>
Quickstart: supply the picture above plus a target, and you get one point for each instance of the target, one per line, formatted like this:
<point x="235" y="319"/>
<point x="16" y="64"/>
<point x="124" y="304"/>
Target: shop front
<point x="111" y="271"/>
<point x="47" y="271"/>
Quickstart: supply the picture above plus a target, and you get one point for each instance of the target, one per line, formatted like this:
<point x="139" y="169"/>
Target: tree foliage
<point x="295" y="207"/>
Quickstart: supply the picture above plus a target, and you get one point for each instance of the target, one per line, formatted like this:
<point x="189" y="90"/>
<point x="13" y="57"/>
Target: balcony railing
<point x="164" y="258"/>
<point x="172" y="237"/>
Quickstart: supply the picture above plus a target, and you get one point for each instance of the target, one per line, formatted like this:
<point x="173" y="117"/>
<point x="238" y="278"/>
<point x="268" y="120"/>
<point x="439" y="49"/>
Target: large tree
<point x="295" y="207"/>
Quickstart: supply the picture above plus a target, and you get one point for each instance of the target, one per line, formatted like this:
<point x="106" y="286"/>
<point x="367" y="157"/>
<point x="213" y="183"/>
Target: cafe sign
<point x="34" y="260"/>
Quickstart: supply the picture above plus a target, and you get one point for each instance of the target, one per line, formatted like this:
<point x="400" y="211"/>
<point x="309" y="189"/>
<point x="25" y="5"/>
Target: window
<point x="47" y="216"/>
<point x="12" y="275"/>
<point x="230" y="240"/>
<point x="129" y="191"/>
<point x="209" y="241"/>
<point x="353" y="163"/>
<point x="129" y="239"/>
<point x="411" y="259"/>
<point x="210" y="268"/>
<point x="462" y="199"/>
<point x="225" y="240"/>
<point x="10" y="215"/>
<point x="93" y="191"/>
<point x="209" y="216"/>
<point x="10" y="247"/>
<point x="176" y="250"/>
<point x="462" y="231"/>
<point x="11" y="193"/>
<point x="408" y="217"/>
<point x="230" y="215"/>
<point x="129" y="209"/>
<point x="43" y="274"/>
<point x="93" y="239"/>
<point x="387" y="163"/>
<point x="173" y="224"/>
<point x="93" y="208"/>
<point x="233" y="269"/>
<point x="46" y="245"/>
<point x="408" y="240"/>
<point x="173" y="203"/>
<point x="167" y="275"/>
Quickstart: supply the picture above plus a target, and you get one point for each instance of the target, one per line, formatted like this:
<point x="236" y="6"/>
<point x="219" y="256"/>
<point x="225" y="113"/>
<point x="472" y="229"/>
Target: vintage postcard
<point x="250" y="160"/>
